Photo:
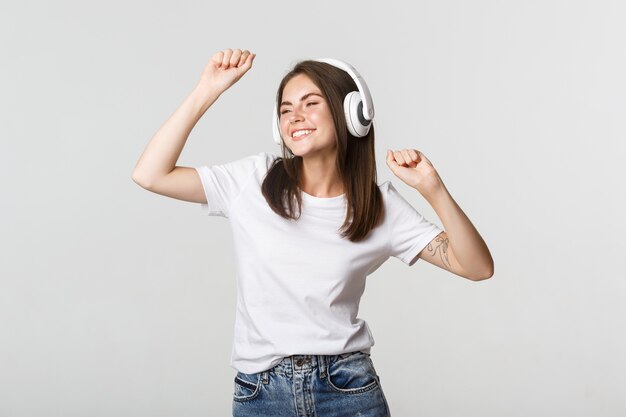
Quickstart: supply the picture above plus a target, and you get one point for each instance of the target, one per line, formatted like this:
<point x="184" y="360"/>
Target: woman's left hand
<point x="412" y="167"/>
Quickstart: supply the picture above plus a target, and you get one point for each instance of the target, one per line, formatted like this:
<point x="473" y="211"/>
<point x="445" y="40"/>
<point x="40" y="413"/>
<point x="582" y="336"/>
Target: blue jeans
<point x="312" y="385"/>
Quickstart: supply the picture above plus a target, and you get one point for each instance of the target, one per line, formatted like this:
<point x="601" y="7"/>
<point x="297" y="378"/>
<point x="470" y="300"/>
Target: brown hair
<point x="355" y="161"/>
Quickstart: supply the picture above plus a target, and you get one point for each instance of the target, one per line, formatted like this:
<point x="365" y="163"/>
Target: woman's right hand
<point x="225" y="68"/>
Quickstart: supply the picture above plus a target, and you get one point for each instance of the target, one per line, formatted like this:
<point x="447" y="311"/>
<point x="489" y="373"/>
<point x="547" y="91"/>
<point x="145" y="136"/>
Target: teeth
<point x="301" y="132"/>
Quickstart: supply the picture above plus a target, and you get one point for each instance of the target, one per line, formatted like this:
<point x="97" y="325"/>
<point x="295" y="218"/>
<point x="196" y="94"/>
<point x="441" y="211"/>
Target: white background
<point x="115" y="301"/>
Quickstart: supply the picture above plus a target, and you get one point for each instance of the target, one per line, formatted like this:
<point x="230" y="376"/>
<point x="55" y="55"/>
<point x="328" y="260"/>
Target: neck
<point x="320" y="177"/>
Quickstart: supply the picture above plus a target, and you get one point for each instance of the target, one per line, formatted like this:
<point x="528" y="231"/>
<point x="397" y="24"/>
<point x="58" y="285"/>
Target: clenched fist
<point x="225" y="68"/>
<point x="412" y="167"/>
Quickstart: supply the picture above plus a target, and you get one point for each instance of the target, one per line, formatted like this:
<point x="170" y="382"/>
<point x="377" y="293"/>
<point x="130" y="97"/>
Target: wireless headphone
<point x="357" y="106"/>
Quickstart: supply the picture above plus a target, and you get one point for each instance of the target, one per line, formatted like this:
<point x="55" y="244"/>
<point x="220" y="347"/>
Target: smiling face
<point x="303" y="107"/>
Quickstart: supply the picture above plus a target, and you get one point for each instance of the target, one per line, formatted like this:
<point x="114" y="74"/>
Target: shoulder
<point x="263" y="161"/>
<point x="394" y="199"/>
<point x="388" y="191"/>
<point x="384" y="187"/>
<point x="260" y="161"/>
<point x="267" y="157"/>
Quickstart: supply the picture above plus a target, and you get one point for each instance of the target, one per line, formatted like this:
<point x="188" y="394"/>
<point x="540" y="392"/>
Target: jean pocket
<point x="247" y="386"/>
<point x="352" y="374"/>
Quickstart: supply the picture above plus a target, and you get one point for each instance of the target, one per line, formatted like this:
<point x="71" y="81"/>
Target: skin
<point x="460" y="249"/>
<point x="319" y="149"/>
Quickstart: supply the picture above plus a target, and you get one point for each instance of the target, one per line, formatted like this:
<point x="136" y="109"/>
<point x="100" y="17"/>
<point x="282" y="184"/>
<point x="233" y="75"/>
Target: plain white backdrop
<point x="115" y="301"/>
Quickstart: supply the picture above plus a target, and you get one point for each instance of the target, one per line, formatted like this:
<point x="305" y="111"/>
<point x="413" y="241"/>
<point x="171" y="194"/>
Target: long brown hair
<point x="356" y="162"/>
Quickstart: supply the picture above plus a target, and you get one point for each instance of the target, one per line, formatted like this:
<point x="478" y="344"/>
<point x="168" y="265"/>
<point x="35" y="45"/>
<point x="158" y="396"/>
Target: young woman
<point x="308" y="227"/>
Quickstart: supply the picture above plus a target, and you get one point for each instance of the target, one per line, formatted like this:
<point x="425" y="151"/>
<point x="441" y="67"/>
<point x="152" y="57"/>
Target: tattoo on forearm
<point x="441" y="246"/>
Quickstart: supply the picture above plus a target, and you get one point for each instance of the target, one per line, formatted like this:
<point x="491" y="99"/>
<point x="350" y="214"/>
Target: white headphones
<point x="357" y="105"/>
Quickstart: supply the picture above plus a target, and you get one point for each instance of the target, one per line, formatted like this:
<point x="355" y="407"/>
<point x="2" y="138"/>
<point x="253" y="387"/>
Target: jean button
<point x="299" y="362"/>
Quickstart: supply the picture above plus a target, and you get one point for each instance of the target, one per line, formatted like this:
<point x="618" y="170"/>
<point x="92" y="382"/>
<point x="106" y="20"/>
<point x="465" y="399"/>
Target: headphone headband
<point x="368" y="105"/>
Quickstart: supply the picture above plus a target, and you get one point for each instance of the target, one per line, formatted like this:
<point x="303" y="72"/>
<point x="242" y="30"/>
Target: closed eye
<point x="285" y="111"/>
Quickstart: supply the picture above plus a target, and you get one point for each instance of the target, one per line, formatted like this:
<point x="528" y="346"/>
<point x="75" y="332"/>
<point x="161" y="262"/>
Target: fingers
<point x="245" y="58"/>
<point x="236" y="57"/>
<point x="228" y="53"/>
<point x="414" y="155"/>
<point x="406" y="157"/>
<point x="247" y="63"/>
<point x="217" y="59"/>
<point x="402" y="157"/>
<point x="411" y="157"/>
<point x="229" y="58"/>
<point x="390" y="159"/>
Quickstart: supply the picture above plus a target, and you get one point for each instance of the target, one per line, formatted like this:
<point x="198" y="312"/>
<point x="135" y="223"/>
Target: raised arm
<point x="156" y="169"/>
<point x="460" y="249"/>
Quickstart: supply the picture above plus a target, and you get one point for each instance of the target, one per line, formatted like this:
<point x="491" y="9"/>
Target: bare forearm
<point x="162" y="152"/>
<point x="468" y="246"/>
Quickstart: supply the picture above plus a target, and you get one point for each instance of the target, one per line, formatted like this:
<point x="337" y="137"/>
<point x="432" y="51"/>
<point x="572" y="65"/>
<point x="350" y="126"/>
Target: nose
<point x="295" y="116"/>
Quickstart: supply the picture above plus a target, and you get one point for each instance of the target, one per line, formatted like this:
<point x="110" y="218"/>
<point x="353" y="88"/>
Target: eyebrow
<point x="301" y="98"/>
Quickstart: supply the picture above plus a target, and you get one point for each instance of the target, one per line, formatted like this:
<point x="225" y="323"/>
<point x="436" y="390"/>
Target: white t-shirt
<point x="299" y="283"/>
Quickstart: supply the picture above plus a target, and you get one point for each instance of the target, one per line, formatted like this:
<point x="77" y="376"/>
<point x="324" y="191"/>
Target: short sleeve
<point x="223" y="183"/>
<point x="409" y="230"/>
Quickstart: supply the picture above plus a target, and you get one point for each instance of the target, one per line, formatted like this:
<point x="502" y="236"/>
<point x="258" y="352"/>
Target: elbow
<point x="486" y="274"/>
<point x="139" y="181"/>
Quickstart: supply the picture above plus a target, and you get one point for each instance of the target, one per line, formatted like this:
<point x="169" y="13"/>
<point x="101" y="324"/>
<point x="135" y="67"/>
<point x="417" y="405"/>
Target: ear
<point x="276" y="127"/>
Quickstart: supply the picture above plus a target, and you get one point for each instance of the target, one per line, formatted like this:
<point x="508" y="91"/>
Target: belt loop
<point x="265" y="377"/>
<point x="323" y="365"/>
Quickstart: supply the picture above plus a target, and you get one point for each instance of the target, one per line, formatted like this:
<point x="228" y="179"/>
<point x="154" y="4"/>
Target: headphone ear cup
<point x="353" y="110"/>
<point x="275" y="127"/>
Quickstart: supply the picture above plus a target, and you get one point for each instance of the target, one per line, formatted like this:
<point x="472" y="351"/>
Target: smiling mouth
<point x="297" y="138"/>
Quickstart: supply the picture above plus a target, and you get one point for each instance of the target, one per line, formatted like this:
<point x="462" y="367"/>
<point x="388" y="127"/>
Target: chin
<point x="304" y="153"/>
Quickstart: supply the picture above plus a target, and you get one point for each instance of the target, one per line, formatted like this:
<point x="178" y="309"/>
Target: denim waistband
<point x="305" y="363"/>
